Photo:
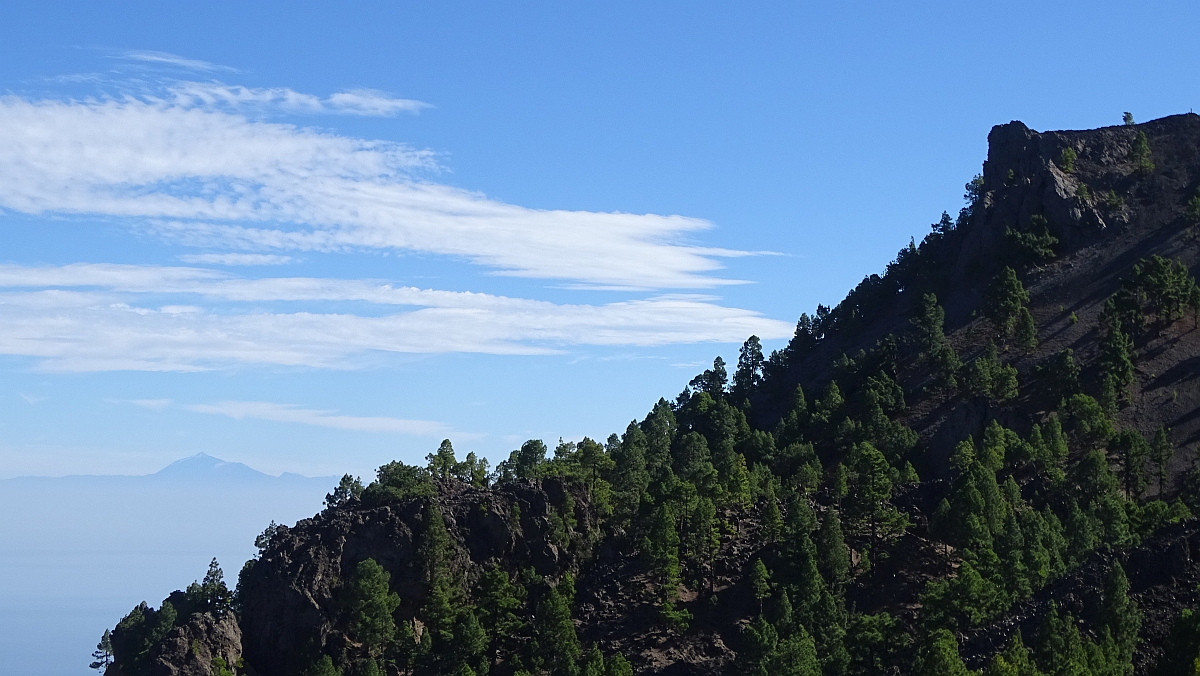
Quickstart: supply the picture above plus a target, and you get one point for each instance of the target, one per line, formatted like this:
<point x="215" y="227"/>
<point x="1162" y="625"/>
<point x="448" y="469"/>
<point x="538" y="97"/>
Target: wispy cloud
<point x="235" y="259"/>
<point x="287" y="413"/>
<point x="93" y="317"/>
<point x="32" y="399"/>
<point x="206" y="176"/>
<point x="217" y="95"/>
<point x="168" y="59"/>
<point x="152" y="404"/>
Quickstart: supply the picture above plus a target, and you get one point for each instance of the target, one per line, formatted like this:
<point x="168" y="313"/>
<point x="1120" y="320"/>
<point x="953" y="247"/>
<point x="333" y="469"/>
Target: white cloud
<point x="168" y="59"/>
<point x="217" y="95"/>
<point x="210" y="177"/>
<point x="106" y="327"/>
<point x="263" y="410"/>
<point x="152" y="404"/>
<point x="32" y="399"/>
<point x="235" y="259"/>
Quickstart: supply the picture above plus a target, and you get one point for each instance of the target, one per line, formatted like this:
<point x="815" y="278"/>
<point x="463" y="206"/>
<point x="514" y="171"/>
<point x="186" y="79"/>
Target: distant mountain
<point x="198" y="468"/>
<point x="204" y="466"/>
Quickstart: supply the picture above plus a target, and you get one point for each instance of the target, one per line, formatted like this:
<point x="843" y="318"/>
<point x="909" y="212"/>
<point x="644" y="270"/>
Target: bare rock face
<point x="198" y="647"/>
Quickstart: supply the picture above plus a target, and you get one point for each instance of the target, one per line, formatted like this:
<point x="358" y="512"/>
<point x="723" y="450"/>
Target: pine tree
<point x="748" y="375"/>
<point x="631" y="476"/>
<point x="761" y="642"/>
<point x="1061" y="650"/>
<point x="1116" y="357"/>
<point x="871" y="493"/>
<point x="772" y="522"/>
<point x="796" y="656"/>
<point x="1131" y="451"/>
<point x="371" y="605"/>
<point x="938" y="656"/>
<point x="1014" y="660"/>
<point x="1026" y="330"/>
<point x="760" y="582"/>
<point x="1140" y="154"/>
<point x="931" y="338"/>
<point x="348" y="488"/>
<point x="499" y="602"/>
<point x="619" y="666"/>
<point x="833" y="559"/>
<point x="322" y="666"/>
<point x="439" y="611"/>
<point x="1004" y="300"/>
<point x="1161" y="452"/>
<point x="1120" y="615"/>
<point x="555" y="633"/>
<point x="443" y="463"/>
<point x="593" y="664"/>
<point x="102" y="656"/>
<point x="470" y="643"/>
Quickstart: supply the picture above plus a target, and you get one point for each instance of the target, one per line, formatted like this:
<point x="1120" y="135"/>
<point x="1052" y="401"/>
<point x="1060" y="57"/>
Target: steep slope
<point x="967" y="445"/>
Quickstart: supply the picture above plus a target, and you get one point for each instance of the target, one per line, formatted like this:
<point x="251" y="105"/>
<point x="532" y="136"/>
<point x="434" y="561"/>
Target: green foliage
<point x="1025" y="332"/>
<point x="1063" y="373"/>
<point x="986" y="376"/>
<point x="593" y="664"/>
<point x="935" y="349"/>
<point x="712" y="382"/>
<point x="500" y="601"/>
<point x="662" y="548"/>
<point x="772" y="522"/>
<point x="748" y="375"/>
<point x="760" y="581"/>
<point x="874" y="642"/>
<point x="1014" y="660"/>
<point x="938" y="656"/>
<point x="524" y="463"/>
<point x="1140" y="154"/>
<point x="397" y="482"/>
<point x="619" y="666"/>
<point x="470" y="644"/>
<point x="1120" y="616"/>
<point x="1158" y="288"/>
<point x="370" y="604"/>
<point x="322" y="666"/>
<point x="347" y="489"/>
<point x="554" y="632"/>
<point x="209" y="595"/>
<point x="1182" y="651"/>
<point x="1067" y="158"/>
<point x="102" y="655"/>
<point x="1192" y="210"/>
<point x="1033" y="244"/>
<point x="963" y="601"/>
<point x="1130" y="450"/>
<point x="1161" y="452"/>
<point x="870" y="495"/>
<point x="137" y="633"/>
<point x="833" y="558"/>
<point x="439" y="611"/>
<point x="1004" y="300"/>
<point x="1088" y="420"/>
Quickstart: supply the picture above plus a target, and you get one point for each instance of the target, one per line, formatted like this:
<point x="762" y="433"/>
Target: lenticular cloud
<point x="212" y="176"/>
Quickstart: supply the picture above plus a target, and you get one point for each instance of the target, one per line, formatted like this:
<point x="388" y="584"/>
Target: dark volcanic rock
<point x="291" y="605"/>
<point x="191" y="649"/>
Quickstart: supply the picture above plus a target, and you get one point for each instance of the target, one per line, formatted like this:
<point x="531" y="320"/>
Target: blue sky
<point x="316" y="238"/>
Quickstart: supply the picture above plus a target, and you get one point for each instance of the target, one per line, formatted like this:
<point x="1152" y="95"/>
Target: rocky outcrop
<point x="199" y="647"/>
<point x="291" y="603"/>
